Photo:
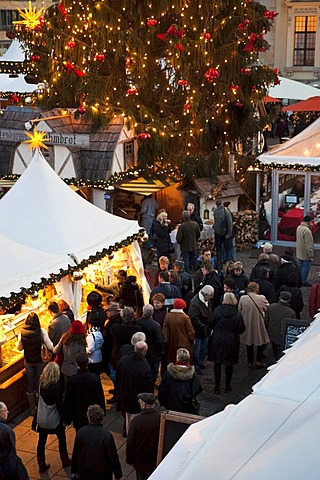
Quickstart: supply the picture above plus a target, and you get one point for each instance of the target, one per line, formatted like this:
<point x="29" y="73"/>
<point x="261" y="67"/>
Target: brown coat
<point x="256" y="332"/>
<point x="178" y="333"/>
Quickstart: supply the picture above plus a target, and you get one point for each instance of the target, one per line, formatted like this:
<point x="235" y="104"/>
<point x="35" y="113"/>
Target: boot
<point x="32" y="404"/>
<point x="43" y="466"/>
<point x="65" y="460"/>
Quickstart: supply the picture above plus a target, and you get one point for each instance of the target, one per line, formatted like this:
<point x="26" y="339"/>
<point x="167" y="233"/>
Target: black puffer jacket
<point x="31" y="342"/>
<point x="155" y="338"/>
<point x="179" y="387"/>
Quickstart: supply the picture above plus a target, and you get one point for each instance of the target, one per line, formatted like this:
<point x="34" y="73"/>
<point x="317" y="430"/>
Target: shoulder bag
<point x="262" y="313"/>
<point x="47" y="415"/>
<point x="46" y="354"/>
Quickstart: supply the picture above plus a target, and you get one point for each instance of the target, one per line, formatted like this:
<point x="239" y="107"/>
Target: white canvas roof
<point x="273" y="433"/>
<point x="22" y="265"/>
<point x="18" y="84"/>
<point x="42" y="212"/>
<point x="302" y="149"/>
<point x="292" y="90"/>
<point x="14" y="53"/>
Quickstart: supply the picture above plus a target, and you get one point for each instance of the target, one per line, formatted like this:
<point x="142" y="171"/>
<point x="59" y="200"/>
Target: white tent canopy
<point x="271" y="434"/>
<point x="292" y="90"/>
<point x="22" y="265"/>
<point x="302" y="149"/>
<point x="14" y="53"/>
<point x="42" y="212"/>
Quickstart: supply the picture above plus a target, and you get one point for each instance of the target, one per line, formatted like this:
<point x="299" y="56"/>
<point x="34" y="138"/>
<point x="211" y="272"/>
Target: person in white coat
<point x="94" y="341"/>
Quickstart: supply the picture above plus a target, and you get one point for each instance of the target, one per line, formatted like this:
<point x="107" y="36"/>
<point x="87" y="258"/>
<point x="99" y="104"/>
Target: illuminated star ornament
<point x="31" y="17"/>
<point x="37" y="139"/>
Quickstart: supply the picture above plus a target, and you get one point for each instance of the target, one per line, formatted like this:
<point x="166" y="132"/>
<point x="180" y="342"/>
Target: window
<point x="7" y="17"/>
<point x="129" y="160"/>
<point x="304" y="41"/>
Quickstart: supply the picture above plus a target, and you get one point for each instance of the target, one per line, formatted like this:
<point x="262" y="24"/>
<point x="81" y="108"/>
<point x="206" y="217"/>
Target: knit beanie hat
<point x="179" y="304"/>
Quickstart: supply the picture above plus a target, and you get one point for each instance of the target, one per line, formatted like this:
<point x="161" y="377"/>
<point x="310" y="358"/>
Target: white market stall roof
<point x="273" y="433"/>
<point x="42" y="212"/>
<point x="22" y="265"/>
<point x="303" y="149"/>
<point x="292" y="90"/>
<point x="14" y="53"/>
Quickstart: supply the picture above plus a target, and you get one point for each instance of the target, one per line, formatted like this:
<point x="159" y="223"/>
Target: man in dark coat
<point x="210" y="277"/>
<point x="3" y="426"/>
<point x="58" y="325"/>
<point x="222" y="232"/>
<point x="274" y="315"/>
<point x="82" y="390"/>
<point x="194" y="217"/>
<point x="94" y="453"/>
<point x="133" y="376"/>
<point x="266" y="288"/>
<point x="287" y="266"/>
<point x="143" y="437"/>
<point x="154" y="338"/>
<point x="171" y="292"/>
<point x="187" y="236"/>
<point x="113" y="316"/>
<point x="200" y="312"/>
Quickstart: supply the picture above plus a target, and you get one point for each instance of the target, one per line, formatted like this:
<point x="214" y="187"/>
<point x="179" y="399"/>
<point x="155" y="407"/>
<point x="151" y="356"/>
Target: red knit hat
<point x="76" y="327"/>
<point x="179" y="304"/>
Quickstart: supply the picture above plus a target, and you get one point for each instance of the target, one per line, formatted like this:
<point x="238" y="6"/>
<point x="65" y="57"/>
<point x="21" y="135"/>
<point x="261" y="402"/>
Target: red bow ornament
<point x="144" y="136"/>
<point x="151" y="22"/>
<point x="173" y="33"/>
<point x="211" y="74"/>
<point x="71" y="68"/>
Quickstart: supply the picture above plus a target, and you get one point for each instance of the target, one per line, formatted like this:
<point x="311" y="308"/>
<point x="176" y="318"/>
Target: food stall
<point x="289" y="177"/>
<point x="75" y="243"/>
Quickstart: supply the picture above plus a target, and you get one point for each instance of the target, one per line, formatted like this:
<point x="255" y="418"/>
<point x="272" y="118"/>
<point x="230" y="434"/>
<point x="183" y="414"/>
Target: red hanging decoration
<point x="81" y="110"/>
<point x="144" y="136"/>
<point x="234" y="88"/>
<point x="35" y="58"/>
<point x="132" y="91"/>
<point x="245" y="71"/>
<point x="239" y="104"/>
<point x="71" y="68"/>
<point x="207" y="36"/>
<point x="183" y="82"/>
<point x="100" y="57"/>
<point x="187" y="107"/>
<point x="63" y="11"/>
<point x="14" y="98"/>
<point x="70" y="44"/>
<point x="211" y="74"/>
<point x="151" y="22"/>
<point x="270" y="14"/>
<point x="173" y="33"/>
<point x="244" y="25"/>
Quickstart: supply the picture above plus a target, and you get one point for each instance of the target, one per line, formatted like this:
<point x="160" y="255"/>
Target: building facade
<point x="295" y="40"/>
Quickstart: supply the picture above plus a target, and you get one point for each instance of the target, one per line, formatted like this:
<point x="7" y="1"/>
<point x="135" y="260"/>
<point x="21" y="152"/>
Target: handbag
<point x="46" y="354"/>
<point x="47" y="415"/>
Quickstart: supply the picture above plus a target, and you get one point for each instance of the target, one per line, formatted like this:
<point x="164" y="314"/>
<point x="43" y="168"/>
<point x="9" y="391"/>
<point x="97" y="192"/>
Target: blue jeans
<point x="33" y="371"/>
<point x="305" y="266"/>
<point x="190" y="260"/>
<point x="199" y="351"/>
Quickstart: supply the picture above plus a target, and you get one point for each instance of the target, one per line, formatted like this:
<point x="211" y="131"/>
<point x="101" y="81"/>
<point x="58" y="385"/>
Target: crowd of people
<point x="154" y="352"/>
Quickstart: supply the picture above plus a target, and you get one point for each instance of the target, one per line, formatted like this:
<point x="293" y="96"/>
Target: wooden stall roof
<point x="224" y="186"/>
<point x="93" y="163"/>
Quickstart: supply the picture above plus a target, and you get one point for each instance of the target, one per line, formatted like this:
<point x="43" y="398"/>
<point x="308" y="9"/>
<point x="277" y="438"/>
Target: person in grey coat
<point x="275" y="313"/>
<point x="187" y="236"/>
<point x="59" y="323"/>
<point x="223" y="233"/>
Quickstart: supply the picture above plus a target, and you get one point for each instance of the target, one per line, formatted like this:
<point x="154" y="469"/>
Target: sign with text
<point x="291" y="328"/>
<point x="65" y="139"/>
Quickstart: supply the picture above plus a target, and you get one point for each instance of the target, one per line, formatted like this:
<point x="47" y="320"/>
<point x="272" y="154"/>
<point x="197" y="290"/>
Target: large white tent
<point x="43" y="213"/>
<point x="302" y="149"/>
<point x="273" y="433"/>
<point x="292" y="90"/>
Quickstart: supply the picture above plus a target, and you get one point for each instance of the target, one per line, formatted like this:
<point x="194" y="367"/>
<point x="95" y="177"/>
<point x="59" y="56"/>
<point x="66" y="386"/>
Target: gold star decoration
<point x="31" y="18"/>
<point x="36" y="139"/>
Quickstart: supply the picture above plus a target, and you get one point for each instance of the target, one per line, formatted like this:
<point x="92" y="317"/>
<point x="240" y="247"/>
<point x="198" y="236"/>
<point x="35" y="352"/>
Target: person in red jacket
<point x="314" y="299"/>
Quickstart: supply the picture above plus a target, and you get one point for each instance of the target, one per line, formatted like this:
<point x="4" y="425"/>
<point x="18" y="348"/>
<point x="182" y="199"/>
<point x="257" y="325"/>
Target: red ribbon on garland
<point x="71" y="68"/>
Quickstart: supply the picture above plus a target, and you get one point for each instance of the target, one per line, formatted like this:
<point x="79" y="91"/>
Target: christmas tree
<point x="185" y="74"/>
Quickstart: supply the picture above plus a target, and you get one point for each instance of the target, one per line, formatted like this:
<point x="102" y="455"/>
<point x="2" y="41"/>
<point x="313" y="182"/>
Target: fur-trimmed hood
<point x="179" y="372"/>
